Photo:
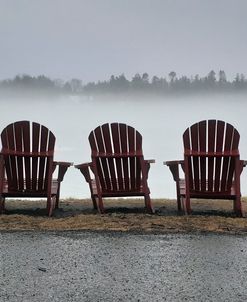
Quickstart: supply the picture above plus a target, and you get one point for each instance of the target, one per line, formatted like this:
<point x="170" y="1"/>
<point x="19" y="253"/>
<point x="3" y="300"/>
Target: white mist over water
<point x="160" y="121"/>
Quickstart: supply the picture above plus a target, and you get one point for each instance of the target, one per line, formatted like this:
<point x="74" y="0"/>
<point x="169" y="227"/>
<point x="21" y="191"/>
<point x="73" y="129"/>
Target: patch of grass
<point x="124" y="215"/>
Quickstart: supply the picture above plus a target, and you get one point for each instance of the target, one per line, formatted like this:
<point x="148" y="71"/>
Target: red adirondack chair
<point x="118" y="165"/>
<point x="27" y="165"/>
<point x="211" y="164"/>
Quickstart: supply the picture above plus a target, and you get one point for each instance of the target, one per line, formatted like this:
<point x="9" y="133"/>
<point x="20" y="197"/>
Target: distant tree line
<point x="172" y="84"/>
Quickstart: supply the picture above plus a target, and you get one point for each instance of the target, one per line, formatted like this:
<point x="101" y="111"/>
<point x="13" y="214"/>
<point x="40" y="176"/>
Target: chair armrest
<point x="63" y="163"/>
<point x="149" y="161"/>
<point x="244" y="163"/>
<point x="84" y="168"/>
<point x="173" y="162"/>
<point x="174" y="167"/>
<point x="62" y="168"/>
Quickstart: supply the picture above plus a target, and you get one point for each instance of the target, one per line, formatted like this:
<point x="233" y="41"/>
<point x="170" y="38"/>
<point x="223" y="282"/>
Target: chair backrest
<point x="211" y="149"/>
<point x="28" y="154"/>
<point x="117" y="153"/>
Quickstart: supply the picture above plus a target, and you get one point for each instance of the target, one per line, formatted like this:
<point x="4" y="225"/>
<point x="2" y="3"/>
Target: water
<point x="161" y="123"/>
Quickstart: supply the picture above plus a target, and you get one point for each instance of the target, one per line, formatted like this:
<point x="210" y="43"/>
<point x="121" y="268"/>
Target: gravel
<point x="115" y="266"/>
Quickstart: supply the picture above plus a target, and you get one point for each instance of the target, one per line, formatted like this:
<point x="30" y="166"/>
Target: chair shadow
<point x="67" y="211"/>
<point x="164" y="211"/>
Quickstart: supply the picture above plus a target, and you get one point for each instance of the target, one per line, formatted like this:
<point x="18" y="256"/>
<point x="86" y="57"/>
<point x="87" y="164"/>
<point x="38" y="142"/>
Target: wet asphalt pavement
<point x="84" y="266"/>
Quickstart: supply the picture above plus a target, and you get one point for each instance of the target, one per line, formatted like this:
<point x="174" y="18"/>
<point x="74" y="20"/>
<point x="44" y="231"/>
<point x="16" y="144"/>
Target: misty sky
<point x="93" y="39"/>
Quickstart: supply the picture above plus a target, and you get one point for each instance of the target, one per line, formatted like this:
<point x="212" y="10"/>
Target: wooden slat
<point x="49" y="161"/>
<point x="26" y="141"/>
<point x="219" y="147"/>
<point x="138" y="172"/>
<point x="12" y="158"/>
<point x="103" y="172"/>
<point x="132" y="161"/>
<point x="186" y="139"/>
<point x="115" y="137"/>
<point x="123" y="138"/>
<point x="35" y="148"/>
<point x="231" y="170"/>
<point x="132" y="139"/>
<point x="92" y="142"/>
<point x="108" y="149"/>
<point x="124" y="148"/>
<point x="5" y="144"/>
<point x="235" y="140"/>
<point x="99" y="139"/>
<point x="194" y="146"/>
<point x="226" y="159"/>
<point x="187" y="146"/>
<point x="19" y="147"/>
<point x="51" y="142"/>
<point x="107" y="138"/>
<point x="228" y="137"/>
<point x="4" y="139"/>
<point x="211" y="148"/>
<point x="7" y="157"/>
<point x="202" y="144"/>
<point x="138" y="139"/>
<point x="116" y="145"/>
<point x="235" y="143"/>
<point x="42" y="161"/>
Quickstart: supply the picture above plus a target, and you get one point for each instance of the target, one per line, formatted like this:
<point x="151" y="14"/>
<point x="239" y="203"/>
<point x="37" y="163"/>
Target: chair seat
<point x="7" y="192"/>
<point x="206" y="193"/>
<point x="118" y="192"/>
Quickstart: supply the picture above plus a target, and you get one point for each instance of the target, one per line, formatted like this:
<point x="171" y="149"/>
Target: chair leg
<point x="148" y="204"/>
<point x="94" y="202"/>
<point x="100" y="205"/>
<point x="187" y="206"/>
<point x="183" y="206"/>
<point x="179" y="203"/>
<point x="57" y="202"/>
<point x="237" y="207"/>
<point x="57" y="197"/>
<point x="2" y="205"/>
<point x="50" y="205"/>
